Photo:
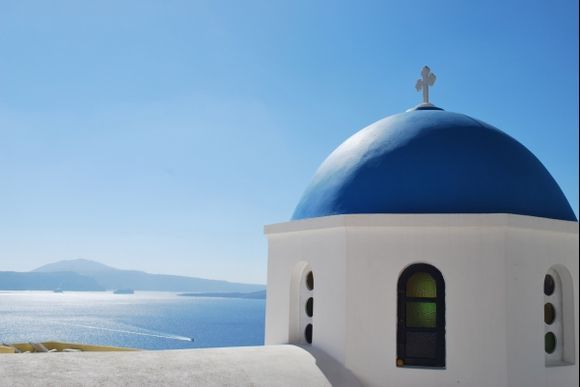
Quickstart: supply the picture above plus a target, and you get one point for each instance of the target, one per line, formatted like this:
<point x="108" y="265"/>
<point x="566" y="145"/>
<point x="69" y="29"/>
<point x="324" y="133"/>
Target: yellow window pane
<point x="421" y="285"/>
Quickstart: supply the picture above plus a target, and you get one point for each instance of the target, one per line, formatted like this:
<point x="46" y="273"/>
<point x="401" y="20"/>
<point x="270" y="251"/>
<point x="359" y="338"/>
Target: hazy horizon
<point x="126" y="268"/>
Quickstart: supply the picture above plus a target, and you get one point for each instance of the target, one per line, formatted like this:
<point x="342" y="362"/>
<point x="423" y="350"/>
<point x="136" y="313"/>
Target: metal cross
<point x="428" y="79"/>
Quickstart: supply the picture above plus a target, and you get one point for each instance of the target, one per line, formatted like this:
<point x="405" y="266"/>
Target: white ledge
<point x="424" y="220"/>
<point x="267" y="366"/>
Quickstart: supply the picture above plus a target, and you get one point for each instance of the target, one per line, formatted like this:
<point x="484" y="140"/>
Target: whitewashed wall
<point x="493" y="266"/>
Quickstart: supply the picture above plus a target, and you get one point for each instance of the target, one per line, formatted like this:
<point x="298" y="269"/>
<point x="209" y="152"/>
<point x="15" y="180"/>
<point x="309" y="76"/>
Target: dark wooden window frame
<point x="402" y="359"/>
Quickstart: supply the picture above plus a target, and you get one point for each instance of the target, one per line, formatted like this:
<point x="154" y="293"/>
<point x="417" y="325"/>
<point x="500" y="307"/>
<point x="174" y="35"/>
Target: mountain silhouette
<point x="98" y="276"/>
<point x="75" y="265"/>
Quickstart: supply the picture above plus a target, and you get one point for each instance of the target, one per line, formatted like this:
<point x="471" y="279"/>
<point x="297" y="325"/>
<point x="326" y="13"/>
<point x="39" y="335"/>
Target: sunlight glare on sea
<point x="147" y="320"/>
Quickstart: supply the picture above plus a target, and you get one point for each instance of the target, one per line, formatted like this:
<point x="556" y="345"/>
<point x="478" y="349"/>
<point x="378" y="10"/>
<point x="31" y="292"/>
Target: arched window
<point x="421" y="317"/>
<point x="307" y="299"/>
<point x="302" y="305"/>
<point x="558" y="317"/>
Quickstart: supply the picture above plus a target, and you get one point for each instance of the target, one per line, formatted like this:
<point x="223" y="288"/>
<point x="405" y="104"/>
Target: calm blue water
<point x="147" y="320"/>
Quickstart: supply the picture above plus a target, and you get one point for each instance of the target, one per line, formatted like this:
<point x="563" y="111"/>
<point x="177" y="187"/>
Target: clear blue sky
<point x="163" y="135"/>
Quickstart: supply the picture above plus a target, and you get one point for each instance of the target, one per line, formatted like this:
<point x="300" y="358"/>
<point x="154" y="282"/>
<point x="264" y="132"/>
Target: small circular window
<point x="310" y="281"/>
<point x="549" y="285"/>
<point x="549" y="342"/>
<point x="308" y="333"/>
<point x="310" y="307"/>
<point x="549" y="313"/>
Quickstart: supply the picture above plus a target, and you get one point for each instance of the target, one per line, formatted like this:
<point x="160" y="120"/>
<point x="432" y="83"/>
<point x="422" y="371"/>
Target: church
<point x="430" y="249"/>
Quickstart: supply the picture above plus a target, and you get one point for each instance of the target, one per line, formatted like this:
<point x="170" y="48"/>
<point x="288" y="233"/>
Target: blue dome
<point x="432" y="162"/>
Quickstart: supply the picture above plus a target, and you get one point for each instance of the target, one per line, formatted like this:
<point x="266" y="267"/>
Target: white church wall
<point x="531" y="253"/>
<point x="472" y="264"/>
<point x="324" y="252"/>
<point x="493" y="267"/>
<point x="281" y="265"/>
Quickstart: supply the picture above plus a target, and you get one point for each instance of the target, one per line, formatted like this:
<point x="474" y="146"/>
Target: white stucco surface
<point x="242" y="366"/>
<point x="493" y="266"/>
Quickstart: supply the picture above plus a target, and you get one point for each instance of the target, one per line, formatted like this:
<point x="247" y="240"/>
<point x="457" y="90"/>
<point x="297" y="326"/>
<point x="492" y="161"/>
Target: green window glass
<point x="421" y="314"/>
<point x="549" y="342"/>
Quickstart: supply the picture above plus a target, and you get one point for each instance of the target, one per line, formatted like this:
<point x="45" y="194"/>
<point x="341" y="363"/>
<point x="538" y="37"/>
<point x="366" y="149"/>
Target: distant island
<point x="86" y="275"/>
<point x="11" y="280"/>
<point x="259" y="295"/>
<point x="124" y="291"/>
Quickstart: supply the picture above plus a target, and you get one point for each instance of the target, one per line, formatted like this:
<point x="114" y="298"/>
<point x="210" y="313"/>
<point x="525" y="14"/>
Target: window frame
<point x="403" y="360"/>
<point x="563" y="326"/>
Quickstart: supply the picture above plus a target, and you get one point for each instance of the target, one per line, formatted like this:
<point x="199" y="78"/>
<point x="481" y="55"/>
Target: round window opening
<point x="308" y="333"/>
<point x="549" y="313"/>
<point x="550" y="342"/>
<point x="310" y="307"/>
<point x="310" y="281"/>
<point x="549" y="285"/>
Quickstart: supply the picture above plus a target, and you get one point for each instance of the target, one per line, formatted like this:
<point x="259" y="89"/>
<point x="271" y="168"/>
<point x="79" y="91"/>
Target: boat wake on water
<point x="160" y="335"/>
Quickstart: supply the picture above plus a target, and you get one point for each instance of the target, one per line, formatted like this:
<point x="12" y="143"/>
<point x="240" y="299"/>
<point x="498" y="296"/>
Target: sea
<point x="145" y="320"/>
